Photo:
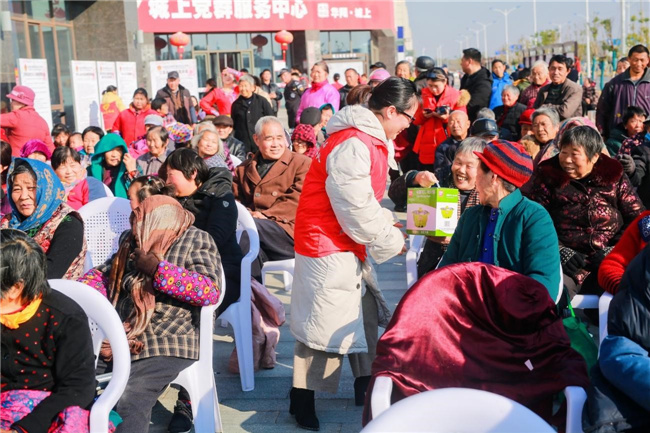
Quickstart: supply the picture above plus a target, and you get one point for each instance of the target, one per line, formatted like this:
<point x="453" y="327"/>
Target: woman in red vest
<point x="334" y="304"/>
<point x="438" y="101"/>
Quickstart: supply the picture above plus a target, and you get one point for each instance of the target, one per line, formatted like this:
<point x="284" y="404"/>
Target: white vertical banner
<point x="33" y="74"/>
<point x="85" y="94"/>
<point x="186" y="71"/>
<point x="106" y="76"/>
<point x="127" y="81"/>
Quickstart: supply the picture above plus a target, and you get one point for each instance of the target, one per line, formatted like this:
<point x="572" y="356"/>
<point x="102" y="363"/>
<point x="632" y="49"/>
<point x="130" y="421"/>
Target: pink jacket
<point x="23" y="125"/>
<point x="325" y="95"/>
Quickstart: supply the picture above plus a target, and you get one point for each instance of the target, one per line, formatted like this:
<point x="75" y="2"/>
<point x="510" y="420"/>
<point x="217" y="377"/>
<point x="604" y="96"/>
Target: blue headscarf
<point x="49" y="195"/>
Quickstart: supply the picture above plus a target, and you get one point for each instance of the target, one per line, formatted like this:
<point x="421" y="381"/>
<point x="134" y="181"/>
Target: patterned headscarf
<point x="179" y="132"/>
<point x="155" y="225"/>
<point x="49" y="195"/>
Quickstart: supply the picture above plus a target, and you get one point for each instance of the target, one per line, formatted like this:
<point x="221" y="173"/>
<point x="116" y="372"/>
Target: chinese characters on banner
<point x="263" y="15"/>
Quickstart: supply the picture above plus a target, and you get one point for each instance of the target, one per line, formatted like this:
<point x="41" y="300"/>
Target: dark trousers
<point x="275" y="244"/>
<point x="148" y="379"/>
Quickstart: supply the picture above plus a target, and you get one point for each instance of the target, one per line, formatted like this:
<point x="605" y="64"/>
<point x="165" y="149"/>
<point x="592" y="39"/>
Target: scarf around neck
<point x="315" y="87"/>
<point x="15" y="319"/>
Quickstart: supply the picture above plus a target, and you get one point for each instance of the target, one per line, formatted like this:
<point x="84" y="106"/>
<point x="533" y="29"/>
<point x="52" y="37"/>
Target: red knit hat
<point x="507" y="160"/>
<point x="526" y="117"/>
<point x="305" y="133"/>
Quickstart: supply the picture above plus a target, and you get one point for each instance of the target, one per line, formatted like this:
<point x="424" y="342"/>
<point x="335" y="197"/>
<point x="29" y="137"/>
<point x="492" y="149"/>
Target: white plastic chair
<point x="416" y="244"/>
<point x="104" y="323"/>
<point x="198" y="378"/>
<point x="284" y="266"/>
<point x="105" y="219"/>
<point x="603" y="309"/>
<point x="109" y="193"/>
<point x="459" y="410"/>
<point x="238" y="314"/>
<point x="383" y="388"/>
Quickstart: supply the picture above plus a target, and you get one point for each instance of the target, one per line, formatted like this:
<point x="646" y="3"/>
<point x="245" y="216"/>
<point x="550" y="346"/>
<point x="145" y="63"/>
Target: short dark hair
<point x="336" y="76"/>
<point x="639" y="48"/>
<point x="584" y="136"/>
<point x="161" y="131"/>
<point x="632" y="111"/>
<point x="395" y="91"/>
<point x="141" y="91"/>
<point x="624" y="59"/>
<point x="94" y="129"/>
<point x="560" y="58"/>
<point x="5" y="159"/>
<point x="523" y="73"/>
<point x="497" y="61"/>
<point x="24" y="261"/>
<point x="188" y="162"/>
<point x="351" y="69"/>
<point x="472" y="54"/>
<point x="59" y="129"/>
<point x="62" y="154"/>
<point x="210" y="82"/>
<point x="158" y="102"/>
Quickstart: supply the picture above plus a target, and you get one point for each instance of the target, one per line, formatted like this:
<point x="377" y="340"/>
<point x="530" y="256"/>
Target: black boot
<point x="303" y="406"/>
<point x="181" y="421"/>
<point x="360" y="388"/>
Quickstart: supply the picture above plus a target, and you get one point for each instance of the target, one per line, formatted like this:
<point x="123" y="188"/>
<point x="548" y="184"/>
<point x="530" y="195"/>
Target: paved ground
<point x="266" y="408"/>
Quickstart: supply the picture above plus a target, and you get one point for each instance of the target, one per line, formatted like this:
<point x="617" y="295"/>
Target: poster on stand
<point x="33" y="74"/>
<point x="186" y="71"/>
<point x="106" y="76"/>
<point x="85" y="94"/>
<point x="127" y="81"/>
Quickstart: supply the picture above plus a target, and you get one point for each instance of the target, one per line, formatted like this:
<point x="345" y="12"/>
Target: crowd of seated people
<point x="549" y="203"/>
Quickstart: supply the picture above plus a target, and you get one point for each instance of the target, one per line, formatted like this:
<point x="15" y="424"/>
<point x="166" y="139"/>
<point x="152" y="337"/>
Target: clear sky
<point x="437" y="22"/>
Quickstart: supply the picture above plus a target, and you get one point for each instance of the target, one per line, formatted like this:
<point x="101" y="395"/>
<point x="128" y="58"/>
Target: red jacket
<point x="79" y="196"/>
<point x="221" y="99"/>
<point x="433" y="130"/>
<point x="613" y="266"/>
<point x="23" y="125"/>
<point x="130" y="123"/>
<point x="317" y="232"/>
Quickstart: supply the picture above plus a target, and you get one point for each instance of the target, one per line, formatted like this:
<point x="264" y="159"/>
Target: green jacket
<point x="120" y="184"/>
<point x="525" y="240"/>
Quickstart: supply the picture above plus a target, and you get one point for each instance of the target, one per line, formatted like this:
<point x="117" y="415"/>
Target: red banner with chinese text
<point x="207" y="16"/>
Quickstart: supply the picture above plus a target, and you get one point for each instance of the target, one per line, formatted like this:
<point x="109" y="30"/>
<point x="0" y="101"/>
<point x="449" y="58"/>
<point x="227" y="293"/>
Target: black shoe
<point x="400" y="208"/>
<point x="303" y="406"/>
<point x="360" y="388"/>
<point x="181" y="421"/>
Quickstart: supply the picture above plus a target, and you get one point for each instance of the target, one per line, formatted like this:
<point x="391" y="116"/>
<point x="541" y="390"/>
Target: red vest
<point x="317" y="231"/>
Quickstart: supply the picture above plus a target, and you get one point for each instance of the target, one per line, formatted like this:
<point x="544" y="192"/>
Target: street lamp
<point x="460" y="43"/>
<point x="505" y="14"/>
<point x="588" y="38"/>
<point x="485" y="44"/>
<point x="476" y="32"/>
<point x="535" y="22"/>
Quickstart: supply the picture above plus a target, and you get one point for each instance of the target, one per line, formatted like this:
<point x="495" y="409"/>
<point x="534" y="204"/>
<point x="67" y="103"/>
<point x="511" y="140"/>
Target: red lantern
<point x="159" y="43"/>
<point x="179" y="39"/>
<point x="284" y="38"/>
<point x="259" y="41"/>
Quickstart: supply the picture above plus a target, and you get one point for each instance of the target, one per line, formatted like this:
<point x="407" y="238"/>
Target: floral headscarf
<point x="49" y="195"/>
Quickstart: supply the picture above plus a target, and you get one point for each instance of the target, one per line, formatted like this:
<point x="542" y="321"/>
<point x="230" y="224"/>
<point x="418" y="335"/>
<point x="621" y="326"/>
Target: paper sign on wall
<point x="186" y="71"/>
<point x="127" y="80"/>
<point x="106" y="76"/>
<point x="33" y="74"/>
<point x="85" y="91"/>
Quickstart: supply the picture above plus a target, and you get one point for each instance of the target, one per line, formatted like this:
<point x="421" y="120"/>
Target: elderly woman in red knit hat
<point x="303" y="140"/>
<point x="513" y="232"/>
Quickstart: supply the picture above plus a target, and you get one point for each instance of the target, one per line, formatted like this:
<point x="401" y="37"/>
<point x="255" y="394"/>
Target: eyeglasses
<point x="411" y="118"/>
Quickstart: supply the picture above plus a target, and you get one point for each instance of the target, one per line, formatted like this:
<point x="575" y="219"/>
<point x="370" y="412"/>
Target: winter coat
<point x="479" y="86"/>
<point x="275" y="102"/>
<point x="221" y="99"/>
<point x="276" y="194"/>
<point x="497" y="88"/>
<point x="508" y="120"/>
<point x="23" y="125"/>
<point x="445" y="154"/>
<point x="182" y="114"/>
<point x="130" y="123"/>
<point x="617" y="136"/>
<point x="235" y="147"/>
<point x="618" y="398"/>
<point x="524" y="240"/>
<point x="327" y="94"/>
<point x="343" y="91"/>
<point x="339" y="218"/>
<point x="111" y="107"/>
<point x="571" y="105"/>
<point x="245" y="116"/>
<point x="641" y="176"/>
<point x="292" y="94"/>
<point x="591" y="214"/>
<point x="617" y="95"/>
<point x="433" y="130"/>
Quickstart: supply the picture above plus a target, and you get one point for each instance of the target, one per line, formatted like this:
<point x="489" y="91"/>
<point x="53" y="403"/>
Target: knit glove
<point x="572" y="261"/>
<point x="627" y="162"/>
<point x="597" y="258"/>
<point x="147" y="263"/>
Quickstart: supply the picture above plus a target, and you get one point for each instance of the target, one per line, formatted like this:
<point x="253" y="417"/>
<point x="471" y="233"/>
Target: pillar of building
<point x="383" y="47"/>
